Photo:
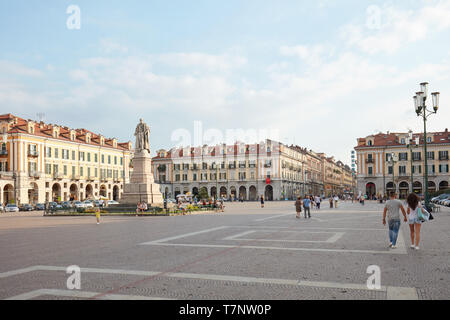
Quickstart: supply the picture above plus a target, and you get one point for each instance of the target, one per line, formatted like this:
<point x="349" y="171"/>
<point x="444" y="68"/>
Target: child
<point x="97" y="214"/>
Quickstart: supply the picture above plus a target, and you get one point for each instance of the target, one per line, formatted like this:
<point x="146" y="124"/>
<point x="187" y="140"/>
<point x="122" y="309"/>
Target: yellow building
<point x="44" y="162"/>
<point x="378" y="175"/>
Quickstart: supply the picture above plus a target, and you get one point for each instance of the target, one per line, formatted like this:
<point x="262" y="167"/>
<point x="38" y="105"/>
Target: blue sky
<point x="319" y="73"/>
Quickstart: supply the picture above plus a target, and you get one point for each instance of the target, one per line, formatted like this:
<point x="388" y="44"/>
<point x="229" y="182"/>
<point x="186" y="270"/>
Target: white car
<point x="78" y="204"/>
<point x="11" y="208"/>
<point x="88" y="204"/>
<point x="112" y="202"/>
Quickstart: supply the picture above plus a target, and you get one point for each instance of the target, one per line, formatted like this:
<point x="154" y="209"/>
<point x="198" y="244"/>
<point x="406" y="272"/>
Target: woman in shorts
<point x="413" y="219"/>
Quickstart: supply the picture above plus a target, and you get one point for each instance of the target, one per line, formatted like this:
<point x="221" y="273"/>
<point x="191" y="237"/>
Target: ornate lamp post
<point x="421" y="110"/>
<point x="410" y="147"/>
<point x="392" y="160"/>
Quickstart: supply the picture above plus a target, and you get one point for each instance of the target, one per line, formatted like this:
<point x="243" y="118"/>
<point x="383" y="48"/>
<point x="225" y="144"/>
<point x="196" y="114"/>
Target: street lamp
<point x="410" y="147"/>
<point x="421" y="110"/>
<point x="392" y="160"/>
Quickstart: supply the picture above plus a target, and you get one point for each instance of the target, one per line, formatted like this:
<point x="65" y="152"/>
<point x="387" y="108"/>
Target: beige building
<point x="377" y="174"/>
<point x="247" y="171"/>
<point x="46" y="162"/>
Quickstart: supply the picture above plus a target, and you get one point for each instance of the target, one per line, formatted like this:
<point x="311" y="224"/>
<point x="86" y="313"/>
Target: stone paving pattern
<point x="28" y="239"/>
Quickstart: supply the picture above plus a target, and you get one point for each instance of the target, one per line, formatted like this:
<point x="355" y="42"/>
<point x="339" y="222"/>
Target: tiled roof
<point x="46" y="130"/>
<point x="394" y="139"/>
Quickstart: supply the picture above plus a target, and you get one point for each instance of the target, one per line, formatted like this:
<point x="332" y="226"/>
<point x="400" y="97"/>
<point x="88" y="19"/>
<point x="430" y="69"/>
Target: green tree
<point x="203" y="193"/>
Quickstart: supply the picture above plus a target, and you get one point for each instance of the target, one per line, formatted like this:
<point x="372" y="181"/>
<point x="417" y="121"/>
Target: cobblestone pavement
<point x="247" y="252"/>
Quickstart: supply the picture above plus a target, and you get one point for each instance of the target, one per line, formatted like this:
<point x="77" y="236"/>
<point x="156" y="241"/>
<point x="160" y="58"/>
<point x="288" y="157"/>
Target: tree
<point x="203" y="193"/>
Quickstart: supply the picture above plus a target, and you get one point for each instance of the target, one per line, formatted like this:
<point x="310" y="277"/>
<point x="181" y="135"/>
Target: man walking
<point x="307" y="206"/>
<point x="317" y="200"/>
<point x="392" y="209"/>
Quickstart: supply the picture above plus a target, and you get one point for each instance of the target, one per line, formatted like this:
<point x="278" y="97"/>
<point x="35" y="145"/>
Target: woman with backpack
<point x="413" y="219"/>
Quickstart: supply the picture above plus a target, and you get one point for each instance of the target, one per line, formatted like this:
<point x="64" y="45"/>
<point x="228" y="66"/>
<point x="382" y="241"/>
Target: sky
<point x="318" y="74"/>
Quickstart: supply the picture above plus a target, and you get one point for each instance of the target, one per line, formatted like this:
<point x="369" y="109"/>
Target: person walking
<point x="331" y="202"/>
<point x="97" y="214"/>
<point x="336" y="199"/>
<point x="262" y="202"/>
<point x="392" y="210"/>
<point x="413" y="220"/>
<point x="307" y="206"/>
<point x="317" y="200"/>
<point x="298" y="206"/>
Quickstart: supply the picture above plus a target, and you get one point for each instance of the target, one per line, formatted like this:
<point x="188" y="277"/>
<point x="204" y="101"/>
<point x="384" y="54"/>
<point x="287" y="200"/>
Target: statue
<point x="142" y="134"/>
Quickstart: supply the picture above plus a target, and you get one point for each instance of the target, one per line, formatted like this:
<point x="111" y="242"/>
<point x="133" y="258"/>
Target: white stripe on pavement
<point x="277" y="216"/>
<point x="394" y="251"/>
<point x="185" y="235"/>
<point x="392" y="291"/>
<point x="79" y="294"/>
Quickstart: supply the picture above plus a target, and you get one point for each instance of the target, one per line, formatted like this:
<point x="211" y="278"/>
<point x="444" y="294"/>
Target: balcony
<point x="90" y="178"/>
<point x="370" y="160"/>
<point x="6" y="174"/>
<point x="57" y="175"/>
<point x="34" y="174"/>
<point x="3" y="153"/>
<point x="417" y="159"/>
<point x="443" y="157"/>
<point x="33" y="153"/>
<point x="75" y="177"/>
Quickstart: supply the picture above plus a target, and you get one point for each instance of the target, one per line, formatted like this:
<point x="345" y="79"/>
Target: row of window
<point x="54" y="169"/>
<point x="231" y="165"/>
<point x="212" y="176"/>
<point x="82" y="156"/>
<point x="443" y="168"/>
<point x="416" y="156"/>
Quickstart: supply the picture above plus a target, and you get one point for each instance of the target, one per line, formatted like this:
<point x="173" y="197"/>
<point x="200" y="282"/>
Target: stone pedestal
<point x="142" y="186"/>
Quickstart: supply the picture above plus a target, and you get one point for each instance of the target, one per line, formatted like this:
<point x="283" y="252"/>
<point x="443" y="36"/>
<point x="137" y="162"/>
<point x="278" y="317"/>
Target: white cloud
<point x="10" y="68"/>
<point x="397" y="28"/>
<point x="204" y="61"/>
<point x="311" y="55"/>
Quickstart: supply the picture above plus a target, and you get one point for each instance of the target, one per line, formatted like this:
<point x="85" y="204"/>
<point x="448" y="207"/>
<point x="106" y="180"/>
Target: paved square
<point x="244" y="253"/>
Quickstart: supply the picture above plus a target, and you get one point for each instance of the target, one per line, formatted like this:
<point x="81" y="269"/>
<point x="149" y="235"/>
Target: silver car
<point x="11" y="208"/>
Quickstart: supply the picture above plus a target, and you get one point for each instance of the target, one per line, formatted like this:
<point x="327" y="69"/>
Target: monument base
<point x="142" y="186"/>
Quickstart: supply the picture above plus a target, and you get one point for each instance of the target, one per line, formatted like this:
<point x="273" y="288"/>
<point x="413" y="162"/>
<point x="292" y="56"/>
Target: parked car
<point x="112" y="202"/>
<point x="40" y="206"/>
<point x="439" y="198"/>
<point x="52" y="205"/>
<point x="78" y="204"/>
<point x="88" y="204"/>
<point x="446" y="197"/>
<point x="446" y="203"/>
<point x="2" y="208"/>
<point x="11" y="208"/>
<point x="26" y="207"/>
<point x="66" y="204"/>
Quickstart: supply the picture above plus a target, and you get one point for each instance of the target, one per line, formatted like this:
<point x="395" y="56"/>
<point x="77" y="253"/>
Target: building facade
<point x="248" y="171"/>
<point x="45" y="162"/>
<point x="377" y="174"/>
